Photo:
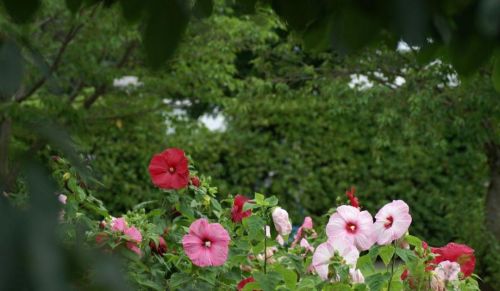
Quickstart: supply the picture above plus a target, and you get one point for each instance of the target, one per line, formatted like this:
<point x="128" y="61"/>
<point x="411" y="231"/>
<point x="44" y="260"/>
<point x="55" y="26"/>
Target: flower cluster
<point x="233" y="244"/>
<point x="131" y="236"/>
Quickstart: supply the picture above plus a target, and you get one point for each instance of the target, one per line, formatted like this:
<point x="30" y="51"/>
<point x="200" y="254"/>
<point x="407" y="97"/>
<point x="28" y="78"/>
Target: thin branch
<point x="55" y="64"/>
<point x="101" y="89"/>
<point x="70" y="35"/>
<point x="128" y="115"/>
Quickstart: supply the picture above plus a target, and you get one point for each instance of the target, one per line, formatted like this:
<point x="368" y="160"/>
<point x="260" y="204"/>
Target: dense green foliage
<point x="294" y="127"/>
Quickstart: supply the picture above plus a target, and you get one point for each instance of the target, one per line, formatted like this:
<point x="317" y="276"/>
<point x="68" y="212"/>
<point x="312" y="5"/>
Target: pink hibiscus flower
<point x="352" y="224"/>
<point x="169" y="169"/>
<point x="392" y="222"/>
<point x="326" y="251"/>
<point x="118" y="224"/>
<point x="206" y="244"/>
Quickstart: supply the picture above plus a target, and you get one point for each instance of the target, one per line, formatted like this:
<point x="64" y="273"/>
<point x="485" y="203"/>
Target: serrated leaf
<point x="254" y="225"/>
<point x="179" y="279"/>
<point x="406" y="255"/>
<point x="289" y="276"/>
<point x="365" y="265"/>
<point x="413" y="240"/>
<point x="376" y="281"/>
<point x="269" y="281"/>
<point x="386" y="253"/>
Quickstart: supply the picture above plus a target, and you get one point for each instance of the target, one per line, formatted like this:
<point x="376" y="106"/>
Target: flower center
<point x="389" y="222"/>
<point x="207" y="243"/>
<point x="171" y="170"/>
<point x="351" y="227"/>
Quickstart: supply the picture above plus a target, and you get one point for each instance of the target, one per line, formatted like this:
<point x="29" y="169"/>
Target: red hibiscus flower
<point x="237" y="213"/>
<point x="453" y="252"/>
<point x="169" y="169"/>
<point x="352" y="198"/>
<point x="243" y="282"/>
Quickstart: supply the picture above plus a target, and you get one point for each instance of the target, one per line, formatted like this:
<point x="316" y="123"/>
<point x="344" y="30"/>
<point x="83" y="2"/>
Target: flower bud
<point x="281" y="221"/>
<point x="159" y="249"/>
<point x="195" y="181"/>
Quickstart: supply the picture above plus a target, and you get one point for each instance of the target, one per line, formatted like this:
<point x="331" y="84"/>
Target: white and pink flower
<point x="447" y="271"/>
<point x="326" y="251"/>
<point x="392" y="222"/>
<point x="281" y="221"/>
<point x="352" y="224"/>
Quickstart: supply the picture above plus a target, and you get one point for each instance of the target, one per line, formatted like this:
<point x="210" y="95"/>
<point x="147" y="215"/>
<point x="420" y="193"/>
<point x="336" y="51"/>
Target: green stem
<point x="265" y="250"/>
<point x="392" y="268"/>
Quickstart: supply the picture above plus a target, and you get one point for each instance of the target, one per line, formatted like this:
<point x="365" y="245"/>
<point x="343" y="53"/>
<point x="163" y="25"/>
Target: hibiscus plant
<point x="196" y="238"/>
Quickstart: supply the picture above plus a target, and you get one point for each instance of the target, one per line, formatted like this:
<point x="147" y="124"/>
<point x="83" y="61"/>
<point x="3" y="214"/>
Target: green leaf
<point x="386" y="253"/>
<point x="165" y="27"/>
<point x="254" y="225"/>
<point x="132" y="9"/>
<point x="269" y="281"/>
<point x="249" y="205"/>
<point x="495" y="76"/>
<point x="259" y="199"/>
<point x="179" y="279"/>
<point x="413" y="240"/>
<point x="271" y="201"/>
<point x="21" y="10"/>
<point x="203" y="8"/>
<point x="289" y="276"/>
<point x="252" y="286"/>
<point x="74" y="5"/>
<point x="365" y="264"/>
<point x="406" y="255"/>
<point x="337" y="287"/>
<point x="376" y="281"/>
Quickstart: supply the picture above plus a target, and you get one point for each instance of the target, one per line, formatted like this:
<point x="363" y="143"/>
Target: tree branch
<point x="101" y="89"/>
<point x="70" y="35"/>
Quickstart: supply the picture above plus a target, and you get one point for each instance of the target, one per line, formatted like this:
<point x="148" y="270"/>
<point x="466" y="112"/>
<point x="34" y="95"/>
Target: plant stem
<point x="265" y="241"/>
<point x="392" y="267"/>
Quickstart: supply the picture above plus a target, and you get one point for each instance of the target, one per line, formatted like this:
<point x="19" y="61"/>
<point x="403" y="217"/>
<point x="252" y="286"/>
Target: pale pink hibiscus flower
<point x="447" y="271"/>
<point x="356" y="276"/>
<point x="307" y="225"/>
<point x="281" y="221"/>
<point x="206" y="244"/>
<point x="325" y="252"/>
<point x="392" y="222"/>
<point x="352" y="224"/>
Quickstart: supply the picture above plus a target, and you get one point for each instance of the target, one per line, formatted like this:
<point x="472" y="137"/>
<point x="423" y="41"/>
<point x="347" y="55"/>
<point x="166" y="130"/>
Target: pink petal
<point x="348" y="213"/>
<point x="133" y="247"/>
<point x="218" y="253"/>
<point x="321" y="257"/>
<point x="118" y="224"/>
<point x="133" y="233"/>
<point x="199" y="227"/>
<point x="345" y="249"/>
<point x="217" y="233"/>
